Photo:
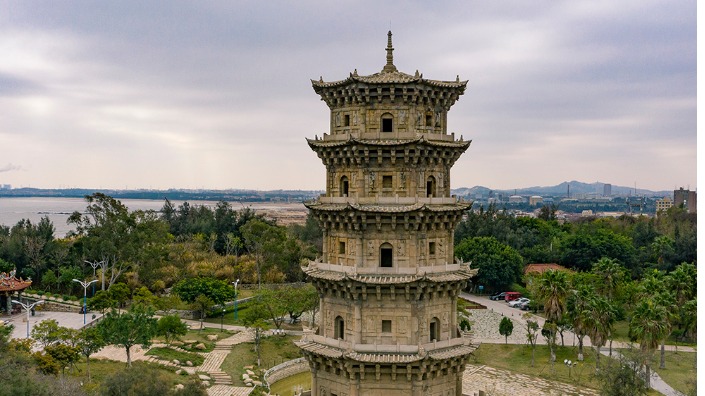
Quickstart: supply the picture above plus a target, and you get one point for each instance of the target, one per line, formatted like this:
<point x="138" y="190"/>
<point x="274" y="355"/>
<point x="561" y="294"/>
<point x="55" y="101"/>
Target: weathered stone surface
<point x="176" y="362"/>
<point x="201" y="346"/>
<point x="387" y="277"/>
<point x="189" y="363"/>
<point x="204" y="377"/>
<point x="212" y="337"/>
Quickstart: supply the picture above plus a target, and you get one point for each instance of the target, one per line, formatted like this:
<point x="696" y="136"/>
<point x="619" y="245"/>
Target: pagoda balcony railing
<point x="352" y="270"/>
<point x="356" y="133"/>
<point x="396" y="200"/>
<point x="384" y="348"/>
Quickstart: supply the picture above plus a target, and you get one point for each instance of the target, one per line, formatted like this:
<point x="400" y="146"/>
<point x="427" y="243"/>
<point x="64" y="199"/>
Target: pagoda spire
<point x="389" y="67"/>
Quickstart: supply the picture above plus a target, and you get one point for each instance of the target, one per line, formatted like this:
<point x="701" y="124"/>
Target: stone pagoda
<point x="387" y="280"/>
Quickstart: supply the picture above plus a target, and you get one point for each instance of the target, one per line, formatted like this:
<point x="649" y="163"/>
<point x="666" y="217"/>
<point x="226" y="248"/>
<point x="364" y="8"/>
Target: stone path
<point x="498" y="382"/>
<point x="223" y="384"/>
<point x="485" y="330"/>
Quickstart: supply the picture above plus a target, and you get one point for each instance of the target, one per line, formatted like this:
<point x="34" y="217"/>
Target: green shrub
<point x="65" y="297"/>
<point x="465" y="325"/>
<point x="40" y="293"/>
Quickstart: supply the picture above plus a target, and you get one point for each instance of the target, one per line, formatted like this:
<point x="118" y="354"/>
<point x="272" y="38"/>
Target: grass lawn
<point x="101" y="369"/>
<point x="680" y="369"/>
<point x="171" y="354"/>
<point x="288" y="385"/>
<point x="620" y="332"/>
<point x="274" y="350"/>
<point x="517" y="358"/>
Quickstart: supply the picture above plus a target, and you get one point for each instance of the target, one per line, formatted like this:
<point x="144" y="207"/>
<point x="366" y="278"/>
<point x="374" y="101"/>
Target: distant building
<point x="535" y="200"/>
<point x="607" y="190"/>
<point x="688" y="199"/>
<point x="5" y="187"/>
<point x="663" y="204"/>
<point x="516" y="199"/>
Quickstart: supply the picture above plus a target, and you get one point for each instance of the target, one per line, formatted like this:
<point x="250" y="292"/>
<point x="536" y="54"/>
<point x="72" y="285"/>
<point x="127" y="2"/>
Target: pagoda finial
<point x="389" y="67"/>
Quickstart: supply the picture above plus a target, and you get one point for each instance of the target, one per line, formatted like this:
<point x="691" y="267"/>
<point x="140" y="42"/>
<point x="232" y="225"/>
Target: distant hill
<point x="576" y="188"/>
<point x="559" y="190"/>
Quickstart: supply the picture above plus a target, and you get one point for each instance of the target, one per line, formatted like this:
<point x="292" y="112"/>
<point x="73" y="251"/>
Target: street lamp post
<point x="85" y="288"/>
<point x="570" y="365"/>
<point x="235" y="303"/>
<point x="28" y="307"/>
<point x="95" y="265"/>
<point x="222" y="316"/>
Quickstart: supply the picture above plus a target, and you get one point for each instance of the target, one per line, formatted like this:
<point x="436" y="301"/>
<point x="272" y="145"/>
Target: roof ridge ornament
<point x="389" y="67"/>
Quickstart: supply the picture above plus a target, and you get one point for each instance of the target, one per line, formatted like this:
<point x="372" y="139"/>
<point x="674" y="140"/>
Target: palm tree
<point x="649" y="326"/>
<point x="578" y="313"/>
<point x="552" y="290"/>
<point x="609" y="274"/>
<point x="668" y="301"/>
<point x="599" y="318"/>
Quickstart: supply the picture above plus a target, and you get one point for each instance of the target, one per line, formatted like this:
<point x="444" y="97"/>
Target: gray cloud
<point x="217" y="94"/>
<point x="9" y="168"/>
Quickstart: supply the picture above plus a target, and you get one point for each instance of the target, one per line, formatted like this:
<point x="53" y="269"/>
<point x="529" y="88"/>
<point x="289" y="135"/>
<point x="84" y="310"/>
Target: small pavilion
<point x="10" y="285"/>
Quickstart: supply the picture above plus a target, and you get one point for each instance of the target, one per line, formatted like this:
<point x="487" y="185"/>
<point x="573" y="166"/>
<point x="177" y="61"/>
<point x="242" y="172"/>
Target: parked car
<point x="511" y="296"/>
<point x="525" y="306"/>
<point x="515" y="303"/>
<point x="497" y="296"/>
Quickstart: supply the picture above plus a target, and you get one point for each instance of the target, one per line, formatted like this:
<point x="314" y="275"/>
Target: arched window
<point x="431" y="186"/>
<point x="344" y="186"/>
<point x="386" y="255"/>
<point x="339" y="328"/>
<point x="387" y="122"/>
<point x="434" y="330"/>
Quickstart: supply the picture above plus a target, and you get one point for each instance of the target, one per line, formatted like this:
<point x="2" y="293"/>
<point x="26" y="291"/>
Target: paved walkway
<point x="485" y="330"/>
<point x="498" y="382"/>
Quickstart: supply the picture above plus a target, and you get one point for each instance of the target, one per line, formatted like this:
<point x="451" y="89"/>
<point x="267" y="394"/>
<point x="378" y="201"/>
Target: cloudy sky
<point x="217" y="94"/>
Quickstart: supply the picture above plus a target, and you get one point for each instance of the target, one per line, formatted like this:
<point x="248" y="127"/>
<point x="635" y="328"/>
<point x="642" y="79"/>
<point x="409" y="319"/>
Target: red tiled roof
<point x="541" y="268"/>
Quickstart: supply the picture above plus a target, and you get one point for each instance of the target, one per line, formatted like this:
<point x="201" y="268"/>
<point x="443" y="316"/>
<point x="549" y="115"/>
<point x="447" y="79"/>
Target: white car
<point x="515" y="303"/>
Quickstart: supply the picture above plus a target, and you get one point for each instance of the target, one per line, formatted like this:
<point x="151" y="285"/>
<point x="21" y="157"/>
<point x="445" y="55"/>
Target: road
<point x="515" y="314"/>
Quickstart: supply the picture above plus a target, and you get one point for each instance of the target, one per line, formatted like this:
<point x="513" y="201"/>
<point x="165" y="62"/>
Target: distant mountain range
<point x="576" y="188"/>
<point x="560" y="190"/>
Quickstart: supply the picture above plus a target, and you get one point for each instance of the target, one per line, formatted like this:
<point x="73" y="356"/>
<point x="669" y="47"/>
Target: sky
<point x="217" y="94"/>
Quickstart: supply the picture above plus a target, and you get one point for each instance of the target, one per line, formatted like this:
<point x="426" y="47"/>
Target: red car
<point x="510" y="296"/>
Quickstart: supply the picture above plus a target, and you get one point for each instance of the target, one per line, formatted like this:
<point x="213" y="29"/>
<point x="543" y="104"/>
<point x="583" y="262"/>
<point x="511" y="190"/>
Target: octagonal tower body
<point x="387" y="278"/>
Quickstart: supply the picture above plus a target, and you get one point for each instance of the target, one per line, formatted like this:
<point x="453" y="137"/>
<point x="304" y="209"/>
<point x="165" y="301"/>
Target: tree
<point x="89" y="341"/>
<point x="532" y="328"/>
<point x="619" y="377"/>
<point x="255" y="316"/>
<point x="506" y="327"/>
<point x="598" y="322"/>
<point x="116" y="237"/>
<point x="136" y="381"/>
<point x="134" y="327"/>
<point x="171" y="327"/>
<point x="577" y="308"/>
<point x="588" y="245"/>
<point x="499" y="265"/>
<point x="101" y="301"/>
<point x="552" y="290"/>
<point x="202" y="304"/>
<point x="266" y="242"/>
<point x="48" y="332"/>
<point x="649" y="326"/>
<point x="609" y="274"/>
<point x="63" y="354"/>
<point x="120" y="293"/>
<point x="216" y="290"/>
